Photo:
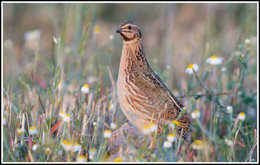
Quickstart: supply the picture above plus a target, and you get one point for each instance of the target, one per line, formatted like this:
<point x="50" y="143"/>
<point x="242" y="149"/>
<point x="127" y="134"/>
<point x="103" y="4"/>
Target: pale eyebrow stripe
<point x="126" y="25"/>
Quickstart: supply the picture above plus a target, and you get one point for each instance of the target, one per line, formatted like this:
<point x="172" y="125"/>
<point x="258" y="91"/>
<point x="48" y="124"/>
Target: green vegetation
<point x="52" y="50"/>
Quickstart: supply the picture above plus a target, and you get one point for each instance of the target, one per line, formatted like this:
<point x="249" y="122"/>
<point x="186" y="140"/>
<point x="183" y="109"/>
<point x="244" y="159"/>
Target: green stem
<point x="205" y="131"/>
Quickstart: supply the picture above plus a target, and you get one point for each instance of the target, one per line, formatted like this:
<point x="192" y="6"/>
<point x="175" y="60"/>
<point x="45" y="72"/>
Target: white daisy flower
<point x="176" y="92"/>
<point x="67" y="146"/>
<point x="197" y="145"/>
<point x="34" y="147"/>
<point x="153" y="128"/>
<point x="149" y="128"/>
<point x="113" y="126"/>
<point x="153" y="155"/>
<point x="91" y="157"/>
<point x="242" y="116"/>
<point x="171" y="137"/>
<point x="247" y="41"/>
<point x="107" y="134"/>
<point x="192" y="67"/>
<point x="85" y="89"/>
<point x="66" y="117"/>
<point x="81" y="158"/>
<point x="146" y="129"/>
<point x="62" y="114"/>
<point x="96" y="30"/>
<point x="32" y="35"/>
<point x="20" y="131"/>
<point x="215" y="60"/>
<point x="195" y="114"/>
<point x="111" y="37"/>
<point x="47" y="150"/>
<point x="92" y="152"/>
<point x="174" y="123"/>
<point x="229" y="142"/>
<point x="167" y="144"/>
<point x="4" y="120"/>
<point x="76" y="147"/>
<point x="230" y="109"/>
<point x="118" y="159"/>
<point x="111" y="107"/>
<point x="33" y="130"/>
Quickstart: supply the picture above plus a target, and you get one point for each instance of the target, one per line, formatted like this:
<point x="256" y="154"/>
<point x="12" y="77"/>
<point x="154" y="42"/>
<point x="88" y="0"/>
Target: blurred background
<point x="174" y="35"/>
<point x="72" y="44"/>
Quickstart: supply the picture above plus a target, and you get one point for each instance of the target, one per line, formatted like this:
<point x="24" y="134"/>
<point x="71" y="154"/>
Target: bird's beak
<point x="118" y="30"/>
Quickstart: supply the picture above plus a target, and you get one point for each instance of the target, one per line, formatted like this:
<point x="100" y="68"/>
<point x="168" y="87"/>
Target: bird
<point x="142" y="95"/>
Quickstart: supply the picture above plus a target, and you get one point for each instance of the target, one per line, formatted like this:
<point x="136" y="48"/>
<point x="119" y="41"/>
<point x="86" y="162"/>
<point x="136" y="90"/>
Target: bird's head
<point x="129" y="31"/>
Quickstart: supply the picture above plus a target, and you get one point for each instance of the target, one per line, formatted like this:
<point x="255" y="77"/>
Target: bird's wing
<point x="139" y="100"/>
<point x="141" y="94"/>
<point x="165" y="101"/>
<point x="173" y="110"/>
<point x="148" y="94"/>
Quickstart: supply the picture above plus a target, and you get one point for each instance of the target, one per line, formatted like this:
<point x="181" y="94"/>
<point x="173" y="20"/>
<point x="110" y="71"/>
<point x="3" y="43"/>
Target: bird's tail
<point x="183" y="132"/>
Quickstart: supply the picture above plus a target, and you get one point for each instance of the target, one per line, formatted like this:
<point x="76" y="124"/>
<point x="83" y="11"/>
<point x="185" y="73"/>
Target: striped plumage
<point x="142" y="95"/>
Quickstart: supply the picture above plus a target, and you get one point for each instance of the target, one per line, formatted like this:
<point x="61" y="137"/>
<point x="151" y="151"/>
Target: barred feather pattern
<point x="142" y="94"/>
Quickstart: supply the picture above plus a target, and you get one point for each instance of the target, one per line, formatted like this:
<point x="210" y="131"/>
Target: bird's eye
<point x="129" y="27"/>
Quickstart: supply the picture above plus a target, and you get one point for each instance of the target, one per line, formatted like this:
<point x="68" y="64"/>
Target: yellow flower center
<point x="68" y="115"/>
<point x="47" y="150"/>
<point x="171" y="135"/>
<point x="109" y="106"/>
<point x="151" y="124"/>
<point x="242" y="114"/>
<point x="214" y="57"/>
<point x="118" y="159"/>
<point x="67" y="142"/>
<point x="107" y="131"/>
<point x="197" y="142"/>
<point x="20" y="131"/>
<point x="147" y="126"/>
<point x="175" y="90"/>
<point x="82" y="157"/>
<point x="32" y="128"/>
<point x="92" y="150"/>
<point x="190" y="66"/>
<point x="176" y="122"/>
<point x="96" y="29"/>
<point x="86" y="85"/>
<point x="196" y="111"/>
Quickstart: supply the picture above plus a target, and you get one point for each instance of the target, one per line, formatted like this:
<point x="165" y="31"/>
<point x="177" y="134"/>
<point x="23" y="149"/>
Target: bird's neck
<point x="133" y="57"/>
